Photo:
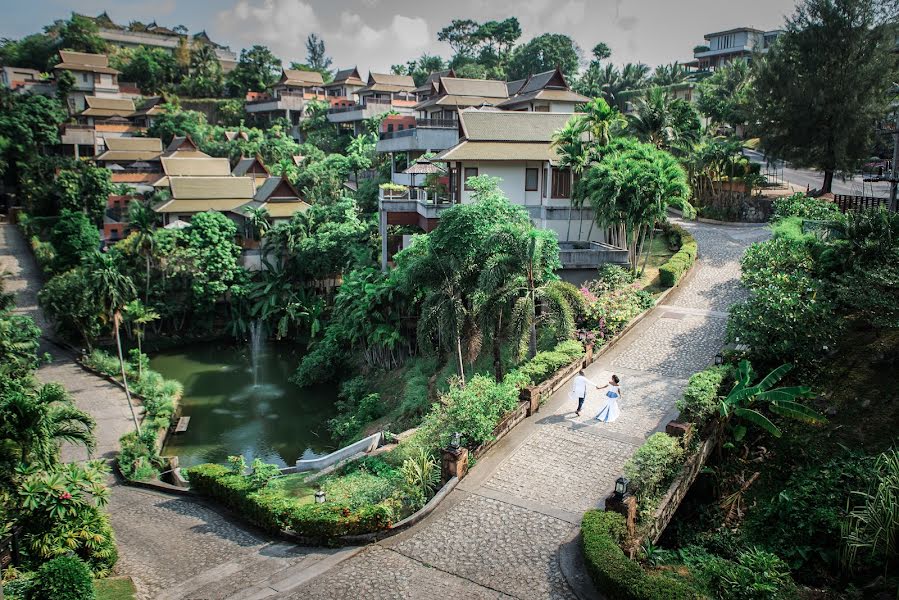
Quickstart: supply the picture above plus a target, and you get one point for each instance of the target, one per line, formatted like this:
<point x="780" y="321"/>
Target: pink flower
<point x="65" y="496"/>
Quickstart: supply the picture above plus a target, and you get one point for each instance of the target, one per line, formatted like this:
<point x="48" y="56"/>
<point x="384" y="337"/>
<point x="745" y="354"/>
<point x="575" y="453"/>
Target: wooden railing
<point x="847" y="203"/>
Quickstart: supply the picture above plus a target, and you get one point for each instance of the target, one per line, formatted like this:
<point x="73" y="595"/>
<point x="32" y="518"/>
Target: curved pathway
<point x="498" y="535"/>
<point x="172" y="547"/>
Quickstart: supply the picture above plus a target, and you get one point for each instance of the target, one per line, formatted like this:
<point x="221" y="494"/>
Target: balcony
<point x="283" y="101"/>
<point x="366" y="110"/>
<point x="419" y="203"/>
<point x="428" y="134"/>
<point x="590" y="255"/>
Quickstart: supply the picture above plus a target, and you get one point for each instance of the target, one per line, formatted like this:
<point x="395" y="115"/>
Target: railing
<point x="360" y="106"/>
<point x="437" y="123"/>
<point x="390" y="135"/>
<point x="847" y="203"/>
<point x="420" y="195"/>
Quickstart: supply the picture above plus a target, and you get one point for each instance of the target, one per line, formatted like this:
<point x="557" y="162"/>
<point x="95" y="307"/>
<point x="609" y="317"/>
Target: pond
<point x="235" y="408"/>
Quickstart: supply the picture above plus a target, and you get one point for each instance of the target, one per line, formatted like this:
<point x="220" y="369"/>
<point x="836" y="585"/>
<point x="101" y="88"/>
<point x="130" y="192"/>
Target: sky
<point x="374" y="34"/>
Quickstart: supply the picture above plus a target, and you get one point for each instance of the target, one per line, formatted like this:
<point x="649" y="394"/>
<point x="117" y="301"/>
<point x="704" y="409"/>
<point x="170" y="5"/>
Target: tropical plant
<point x="142" y="222"/>
<point x="745" y="395"/>
<point x="258" y="219"/>
<point x="422" y="475"/>
<point x="64" y="578"/>
<point x="139" y="315"/>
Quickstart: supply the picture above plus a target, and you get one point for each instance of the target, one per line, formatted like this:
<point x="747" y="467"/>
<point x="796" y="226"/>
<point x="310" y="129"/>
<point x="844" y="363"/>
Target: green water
<point x="273" y="420"/>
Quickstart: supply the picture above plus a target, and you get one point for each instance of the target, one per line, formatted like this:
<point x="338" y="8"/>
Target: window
<point x="469" y="172"/>
<point x="390" y="128"/>
<point x="84" y="77"/>
<point x="96" y="79"/>
<point x="531" y="179"/>
<point x="541" y="108"/>
<point x="561" y="183"/>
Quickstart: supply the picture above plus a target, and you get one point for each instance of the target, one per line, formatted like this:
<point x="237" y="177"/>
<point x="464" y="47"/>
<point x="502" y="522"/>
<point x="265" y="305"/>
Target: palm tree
<point x="140" y="315"/>
<point x="445" y="315"/>
<point x="745" y="395"/>
<point x="601" y="121"/>
<point x="652" y="119"/>
<point x="34" y="422"/>
<point x="520" y="276"/>
<point x="670" y="74"/>
<point x="573" y="154"/>
<point x="142" y="222"/>
<point x="258" y="220"/>
<point x="113" y="289"/>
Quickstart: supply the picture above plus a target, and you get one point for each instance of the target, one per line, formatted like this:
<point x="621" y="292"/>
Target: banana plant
<point x="745" y="396"/>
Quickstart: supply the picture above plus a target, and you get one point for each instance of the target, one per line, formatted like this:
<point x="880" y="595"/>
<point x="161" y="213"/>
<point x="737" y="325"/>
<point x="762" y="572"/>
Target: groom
<point x="580" y="390"/>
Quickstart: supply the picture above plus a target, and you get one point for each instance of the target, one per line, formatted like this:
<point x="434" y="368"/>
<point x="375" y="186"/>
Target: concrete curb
<point x="680" y="215"/>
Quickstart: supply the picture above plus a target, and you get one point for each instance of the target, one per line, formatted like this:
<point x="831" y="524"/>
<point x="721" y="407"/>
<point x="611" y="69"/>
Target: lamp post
<point x="719" y="359"/>
<point x="621" y="487"/>
<point x="320" y="497"/>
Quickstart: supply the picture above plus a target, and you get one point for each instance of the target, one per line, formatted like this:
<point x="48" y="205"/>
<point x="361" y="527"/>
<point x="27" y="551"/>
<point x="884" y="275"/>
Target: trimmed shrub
<point x="700" y="400"/>
<point x="654" y="464"/>
<point x="544" y="364"/>
<point x="63" y="578"/>
<point x="614" y="573"/>
<point x="800" y="205"/>
<point x="671" y="272"/>
<point x="138" y="458"/>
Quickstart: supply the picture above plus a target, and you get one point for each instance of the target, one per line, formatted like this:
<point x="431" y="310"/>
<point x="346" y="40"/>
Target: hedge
<point x="614" y="574"/>
<point x="544" y="364"/>
<point x="700" y="400"/>
<point x="672" y="271"/>
<point x="273" y="512"/>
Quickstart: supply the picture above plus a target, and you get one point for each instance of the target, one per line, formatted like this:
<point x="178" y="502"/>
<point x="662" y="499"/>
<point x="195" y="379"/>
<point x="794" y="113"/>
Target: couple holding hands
<point x="610" y="410"/>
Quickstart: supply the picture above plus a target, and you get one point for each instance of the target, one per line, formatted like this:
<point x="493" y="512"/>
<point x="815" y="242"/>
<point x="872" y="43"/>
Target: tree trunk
<point x="140" y="355"/>
<point x="568" y="234"/>
<point x="827" y="185"/>
<point x="459" y="359"/>
<point x="118" y="341"/>
<point x="497" y="351"/>
<point x="649" y="249"/>
<point x="147" y="291"/>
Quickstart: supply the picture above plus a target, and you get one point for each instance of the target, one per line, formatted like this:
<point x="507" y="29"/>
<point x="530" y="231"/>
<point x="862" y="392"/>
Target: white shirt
<point x="580" y="386"/>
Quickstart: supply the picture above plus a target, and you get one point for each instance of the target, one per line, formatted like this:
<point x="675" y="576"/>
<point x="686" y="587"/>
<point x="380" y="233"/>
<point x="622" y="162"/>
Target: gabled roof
<point x="276" y="188"/>
<point x="285" y="210"/>
<point x="83" y="61"/>
<point x="548" y="79"/>
<point x="213" y="188"/>
<point x="385" y="82"/>
<point x="349" y="76"/>
<point x="250" y="165"/>
<point x="434" y="78"/>
<point x="142" y="144"/>
<point x="184" y="145"/>
<point x="195" y="167"/>
<point x="513" y="87"/>
<point x="549" y="85"/>
<point x="107" y="107"/>
<point x="233" y="135"/>
<point x="300" y="78"/>
<point x="151" y="107"/>
<point x="455" y="91"/>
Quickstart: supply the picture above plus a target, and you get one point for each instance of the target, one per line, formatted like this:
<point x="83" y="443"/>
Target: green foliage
<point x="213" y="256"/>
<point x="473" y="411"/>
<point x="800" y="205"/>
<point x="701" y="398"/>
<point x="63" y="578"/>
<point x="872" y="529"/>
<point x="272" y="511"/>
<point x="834" y="133"/>
<point x="544" y="364"/>
<point x="422" y="475"/>
<point x="154" y="70"/>
<point x="544" y="53"/>
<point x="256" y="70"/>
<point x="726" y="96"/>
<point x="755" y="575"/>
<point x="763" y="263"/>
<point x="74" y="238"/>
<point x="671" y="272"/>
<point x="612" y="301"/>
<point x="19" y="342"/>
<point x="138" y="457"/>
<point x="614" y="573"/>
<point x="654" y="465"/>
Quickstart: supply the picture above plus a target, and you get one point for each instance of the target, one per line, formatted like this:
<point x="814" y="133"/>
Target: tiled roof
<point x="196" y="167"/>
<point x="466" y="92"/>
<point x="514" y="87"/>
<point x="301" y="78"/>
<point x="108" y="107"/>
<point x="434" y="78"/>
<point x="213" y="188"/>
<point x="83" y="61"/>
<point x="284" y="210"/>
<point x="201" y="205"/>
<point x="384" y="82"/>
<point x="244" y="165"/>
<point x="553" y="95"/>
<point x="346" y="76"/>
<point x="134" y="143"/>
<point x="271" y="185"/>
<point x="511" y="126"/>
<point x="466" y="150"/>
<point x="128" y="155"/>
<point x="183" y="146"/>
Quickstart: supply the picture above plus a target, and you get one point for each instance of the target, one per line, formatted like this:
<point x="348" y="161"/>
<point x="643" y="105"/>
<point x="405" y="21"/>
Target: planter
<point x="535" y="395"/>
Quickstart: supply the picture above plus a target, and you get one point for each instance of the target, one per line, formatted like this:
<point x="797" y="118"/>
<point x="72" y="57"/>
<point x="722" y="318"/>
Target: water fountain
<point x="256" y="341"/>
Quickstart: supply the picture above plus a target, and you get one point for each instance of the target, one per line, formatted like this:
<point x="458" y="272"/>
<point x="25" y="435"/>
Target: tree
<point x="833" y="132"/>
<point x="316" y="57"/>
<point x="258" y="220"/>
<point x="257" y="70"/>
<point x="74" y="238"/>
<point x="79" y="33"/>
<point x="461" y="35"/>
<point x="652" y="120"/>
<point x="68" y="300"/>
<point x="601" y="51"/>
<point x="211" y="257"/>
<point x="726" y="97"/>
<point x="142" y="221"/>
<point x="113" y="291"/>
<point x="84" y="187"/>
<point x="206" y="78"/>
<point x="629" y="189"/>
<point x="154" y="70"/>
<point x="33" y="422"/>
<point x="420" y="68"/>
<point x="782" y="401"/>
<point x="28" y="123"/>
<point x="607" y="81"/>
<point x="35" y="51"/>
<point x="544" y="53"/>
<point x="670" y="74"/>
<point x="139" y="315"/>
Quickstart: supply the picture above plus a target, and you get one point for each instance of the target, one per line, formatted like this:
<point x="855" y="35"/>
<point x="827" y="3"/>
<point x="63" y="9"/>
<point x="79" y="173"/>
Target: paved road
<point x="498" y="535"/>
<point x="172" y="547"/>
<point x="813" y="179"/>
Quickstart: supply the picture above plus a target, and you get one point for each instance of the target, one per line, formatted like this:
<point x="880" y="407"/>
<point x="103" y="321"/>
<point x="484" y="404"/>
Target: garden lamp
<point x="621" y="487"/>
<point x="719" y="359"/>
<point x="457" y="440"/>
<point x="320" y="497"/>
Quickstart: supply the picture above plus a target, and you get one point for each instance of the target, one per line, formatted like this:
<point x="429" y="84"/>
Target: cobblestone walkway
<point x="173" y="548"/>
<point x="498" y="534"/>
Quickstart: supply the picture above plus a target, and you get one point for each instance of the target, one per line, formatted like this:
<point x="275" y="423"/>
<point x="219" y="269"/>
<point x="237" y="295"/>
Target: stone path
<point x="172" y="547"/>
<point x="499" y="533"/>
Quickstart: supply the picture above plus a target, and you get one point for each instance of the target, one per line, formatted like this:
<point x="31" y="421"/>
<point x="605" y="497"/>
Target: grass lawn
<point x="294" y="486"/>
<point x="114" y="588"/>
<point x="658" y="255"/>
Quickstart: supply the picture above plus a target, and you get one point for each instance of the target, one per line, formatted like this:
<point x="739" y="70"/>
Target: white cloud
<point x="283" y="25"/>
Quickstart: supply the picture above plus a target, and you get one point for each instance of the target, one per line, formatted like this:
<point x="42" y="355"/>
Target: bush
<point x="654" y="464"/>
<point x="764" y="262"/>
<point x="138" y="458"/>
<point x="544" y="364"/>
<point x="272" y="511"/>
<point x="700" y="400"/>
<point x="614" y="573"/>
<point x="756" y="575"/>
<point x="611" y="277"/>
<point x="800" y="205"/>
<point x="683" y="205"/>
<point x="63" y="578"/>
<point x="671" y="272"/>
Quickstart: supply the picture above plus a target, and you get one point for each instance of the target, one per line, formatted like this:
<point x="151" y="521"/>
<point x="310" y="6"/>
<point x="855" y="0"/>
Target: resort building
<point x="177" y="166"/>
<point x="115" y="218"/>
<point x="288" y="98"/>
<point x="192" y="195"/>
<point x="92" y="77"/>
<point x="134" y="161"/>
<point x="252" y="167"/>
<point x="344" y="86"/>
<point x="280" y="198"/>
<point x="184" y="147"/>
<point x="382" y="93"/>
<point x="740" y="43"/>
<point x="543" y="92"/>
<point x="22" y="80"/>
<point x="517" y="148"/>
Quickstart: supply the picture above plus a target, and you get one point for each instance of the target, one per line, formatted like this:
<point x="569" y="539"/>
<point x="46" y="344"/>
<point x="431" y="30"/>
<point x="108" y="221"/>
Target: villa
<point x="288" y="98"/>
<point x="342" y="89"/>
<point x="382" y="93"/>
<point x="740" y="43"/>
<point x="93" y="77"/>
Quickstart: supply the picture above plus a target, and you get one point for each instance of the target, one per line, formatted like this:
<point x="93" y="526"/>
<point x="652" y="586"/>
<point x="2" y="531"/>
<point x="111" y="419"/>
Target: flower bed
<point x="671" y="272"/>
